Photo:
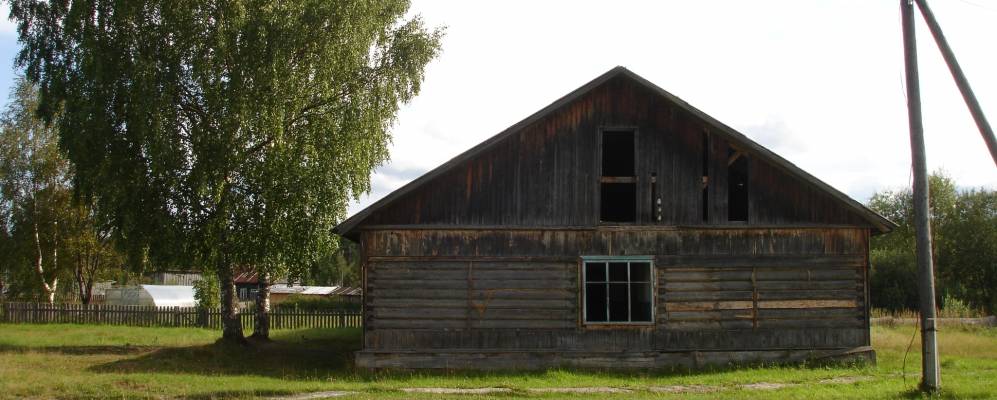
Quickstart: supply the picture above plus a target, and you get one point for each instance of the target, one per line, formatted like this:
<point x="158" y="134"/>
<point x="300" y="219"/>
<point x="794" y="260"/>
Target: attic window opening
<point x="618" y="290"/>
<point x="618" y="184"/>
<point x="737" y="186"/>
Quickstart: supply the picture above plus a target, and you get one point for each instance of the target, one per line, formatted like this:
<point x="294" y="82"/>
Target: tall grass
<point x="954" y="308"/>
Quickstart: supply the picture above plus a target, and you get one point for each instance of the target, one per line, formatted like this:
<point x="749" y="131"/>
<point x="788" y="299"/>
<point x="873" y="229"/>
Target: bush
<point x="207" y="292"/>
<point x="318" y="303"/>
<point x="893" y="280"/>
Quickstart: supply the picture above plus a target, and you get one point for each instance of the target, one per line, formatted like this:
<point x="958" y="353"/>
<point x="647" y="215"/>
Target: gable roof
<point x="882" y="225"/>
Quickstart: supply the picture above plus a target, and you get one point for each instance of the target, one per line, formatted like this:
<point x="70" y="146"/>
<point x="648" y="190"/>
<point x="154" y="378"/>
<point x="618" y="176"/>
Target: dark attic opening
<point x="618" y="184"/>
<point x="737" y="186"/>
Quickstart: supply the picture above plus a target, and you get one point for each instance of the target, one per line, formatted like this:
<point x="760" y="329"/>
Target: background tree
<point x="91" y="251"/>
<point x="970" y="249"/>
<point x="964" y="233"/>
<point x="223" y="133"/>
<point x="339" y="266"/>
<point x="35" y="191"/>
<point x="48" y="237"/>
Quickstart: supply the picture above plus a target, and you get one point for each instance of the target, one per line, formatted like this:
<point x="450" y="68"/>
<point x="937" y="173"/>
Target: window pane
<point x="618" y="272"/>
<point x="640" y="272"/>
<point x="618" y="302"/>
<point x="595" y="272"/>
<point x="595" y="302"/>
<point x="640" y="302"/>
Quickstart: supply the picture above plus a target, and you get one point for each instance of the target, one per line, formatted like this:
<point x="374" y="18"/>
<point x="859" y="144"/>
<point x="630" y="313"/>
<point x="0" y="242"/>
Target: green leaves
<point x="964" y="234"/>
<point x="220" y="133"/>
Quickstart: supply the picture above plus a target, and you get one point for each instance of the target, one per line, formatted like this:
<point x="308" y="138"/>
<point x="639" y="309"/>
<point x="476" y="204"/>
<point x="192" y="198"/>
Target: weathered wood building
<point x="617" y="227"/>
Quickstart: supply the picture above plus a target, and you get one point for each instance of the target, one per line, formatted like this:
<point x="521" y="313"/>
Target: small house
<point x="619" y="227"/>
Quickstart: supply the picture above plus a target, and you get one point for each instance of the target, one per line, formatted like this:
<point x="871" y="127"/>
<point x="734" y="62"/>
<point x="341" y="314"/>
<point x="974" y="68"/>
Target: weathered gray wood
<point x="392" y="284"/>
<point x="492" y="303"/>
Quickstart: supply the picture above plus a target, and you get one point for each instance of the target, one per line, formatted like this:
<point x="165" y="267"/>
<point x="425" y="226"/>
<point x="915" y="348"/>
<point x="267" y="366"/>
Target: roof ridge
<point x="880" y="222"/>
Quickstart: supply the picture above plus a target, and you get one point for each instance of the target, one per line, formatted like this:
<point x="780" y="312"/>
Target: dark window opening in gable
<point x="618" y="202"/>
<point x="618" y="153"/>
<point x="618" y="184"/>
<point x="737" y="186"/>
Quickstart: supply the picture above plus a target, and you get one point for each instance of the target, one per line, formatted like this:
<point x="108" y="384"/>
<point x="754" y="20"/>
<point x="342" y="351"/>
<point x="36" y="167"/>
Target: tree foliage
<point x="49" y="237"/>
<point x="35" y="196"/>
<point x="964" y="235"/>
<point x="223" y="133"/>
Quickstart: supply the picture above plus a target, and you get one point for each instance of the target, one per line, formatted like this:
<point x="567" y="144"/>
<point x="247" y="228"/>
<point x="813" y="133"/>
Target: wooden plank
<point x="807" y="294"/>
<point x="479" y="284"/>
<point x="744" y="261"/>
<point x="705" y="275"/>
<point x="493" y="303"/>
<point x="808" y="274"/>
<point x="808" y="304"/>
<point x="857" y="322"/>
<point x="807" y="313"/>
<point x="709" y="315"/>
<point x="452" y="274"/>
<point x="704" y="296"/>
<point x="708" y="325"/>
<point x="706" y="286"/>
<point x="809" y="285"/>
<point x="706" y="306"/>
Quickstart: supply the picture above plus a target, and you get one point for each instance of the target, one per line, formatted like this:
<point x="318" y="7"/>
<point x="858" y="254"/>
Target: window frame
<point x="583" y="293"/>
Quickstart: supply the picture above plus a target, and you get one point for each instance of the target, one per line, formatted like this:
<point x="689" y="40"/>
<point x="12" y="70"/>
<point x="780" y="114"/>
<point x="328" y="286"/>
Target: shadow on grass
<point x="293" y="354"/>
<point x="78" y="350"/>
<point x="321" y="354"/>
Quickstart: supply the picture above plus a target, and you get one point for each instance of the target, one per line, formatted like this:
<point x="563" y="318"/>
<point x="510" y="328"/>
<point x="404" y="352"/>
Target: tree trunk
<point x="47" y="289"/>
<point x="261" y="329"/>
<point x="231" y="323"/>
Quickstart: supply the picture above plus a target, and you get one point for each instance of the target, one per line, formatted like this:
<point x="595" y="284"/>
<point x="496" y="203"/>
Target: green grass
<point x="78" y="361"/>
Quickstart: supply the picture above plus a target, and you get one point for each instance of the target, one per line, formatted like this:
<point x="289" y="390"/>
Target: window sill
<point x="618" y="325"/>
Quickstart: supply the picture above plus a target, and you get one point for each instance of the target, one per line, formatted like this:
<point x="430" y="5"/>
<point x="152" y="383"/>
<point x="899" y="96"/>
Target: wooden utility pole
<point x="960" y="79"/>
<point x="930" y="376"/>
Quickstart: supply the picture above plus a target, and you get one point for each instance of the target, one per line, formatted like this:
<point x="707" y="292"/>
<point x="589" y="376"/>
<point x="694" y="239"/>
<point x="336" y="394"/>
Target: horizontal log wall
<point x="514" y="289"/>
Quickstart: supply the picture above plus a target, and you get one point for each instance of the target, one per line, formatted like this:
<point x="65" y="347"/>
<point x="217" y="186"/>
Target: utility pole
<point x="960" y="79"/>
<point x="930" y="376"/>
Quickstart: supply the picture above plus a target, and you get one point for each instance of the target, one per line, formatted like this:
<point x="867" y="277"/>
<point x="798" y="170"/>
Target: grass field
<point x="77" y="361"/>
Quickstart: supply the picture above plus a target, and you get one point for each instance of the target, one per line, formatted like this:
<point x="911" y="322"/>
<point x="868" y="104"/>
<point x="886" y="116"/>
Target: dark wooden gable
<point x="544" y="171"/>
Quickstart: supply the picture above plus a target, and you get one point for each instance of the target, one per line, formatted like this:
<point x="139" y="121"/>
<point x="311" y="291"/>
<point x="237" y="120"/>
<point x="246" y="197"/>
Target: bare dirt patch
<point x="580" y="390"/>
<point x="457" y="390"/>
<point x="684" y="389"/>
<point x="845" y="379"/>
<point x="766" y="386"/>
<point x="312" y="396"/>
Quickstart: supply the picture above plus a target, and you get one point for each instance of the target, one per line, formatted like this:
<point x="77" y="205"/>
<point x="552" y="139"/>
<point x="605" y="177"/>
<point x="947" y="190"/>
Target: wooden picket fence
<point x="37" y="313"/>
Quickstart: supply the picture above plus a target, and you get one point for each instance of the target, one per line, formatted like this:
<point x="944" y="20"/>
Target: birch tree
<point x="34" y="188"/>
<point x="223" y="133"/>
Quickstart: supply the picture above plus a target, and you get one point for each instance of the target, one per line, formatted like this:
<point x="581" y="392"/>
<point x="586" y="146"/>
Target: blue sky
<point x="819" y="82"/>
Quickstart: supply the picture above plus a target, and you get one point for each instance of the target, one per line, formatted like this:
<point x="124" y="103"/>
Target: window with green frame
<point x="618" y="290"/>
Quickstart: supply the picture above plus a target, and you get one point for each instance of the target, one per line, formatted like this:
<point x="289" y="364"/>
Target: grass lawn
<point x="79" y="361"/>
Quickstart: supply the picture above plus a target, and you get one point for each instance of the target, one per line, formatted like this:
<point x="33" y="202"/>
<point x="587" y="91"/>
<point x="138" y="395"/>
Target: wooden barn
<point x="618" y="227"/>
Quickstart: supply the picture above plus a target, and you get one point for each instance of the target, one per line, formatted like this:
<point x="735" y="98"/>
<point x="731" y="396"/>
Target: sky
<point x="821" y="83"/>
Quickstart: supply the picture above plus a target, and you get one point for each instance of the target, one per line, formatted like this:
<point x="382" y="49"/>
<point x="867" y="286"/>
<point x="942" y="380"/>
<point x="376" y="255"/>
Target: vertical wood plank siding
<point x="547" y="173"/>
<point x="717" y="289"/>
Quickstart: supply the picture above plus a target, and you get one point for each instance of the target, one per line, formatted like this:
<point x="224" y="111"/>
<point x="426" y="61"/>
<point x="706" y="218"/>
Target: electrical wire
<point x="903" y="368"/>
